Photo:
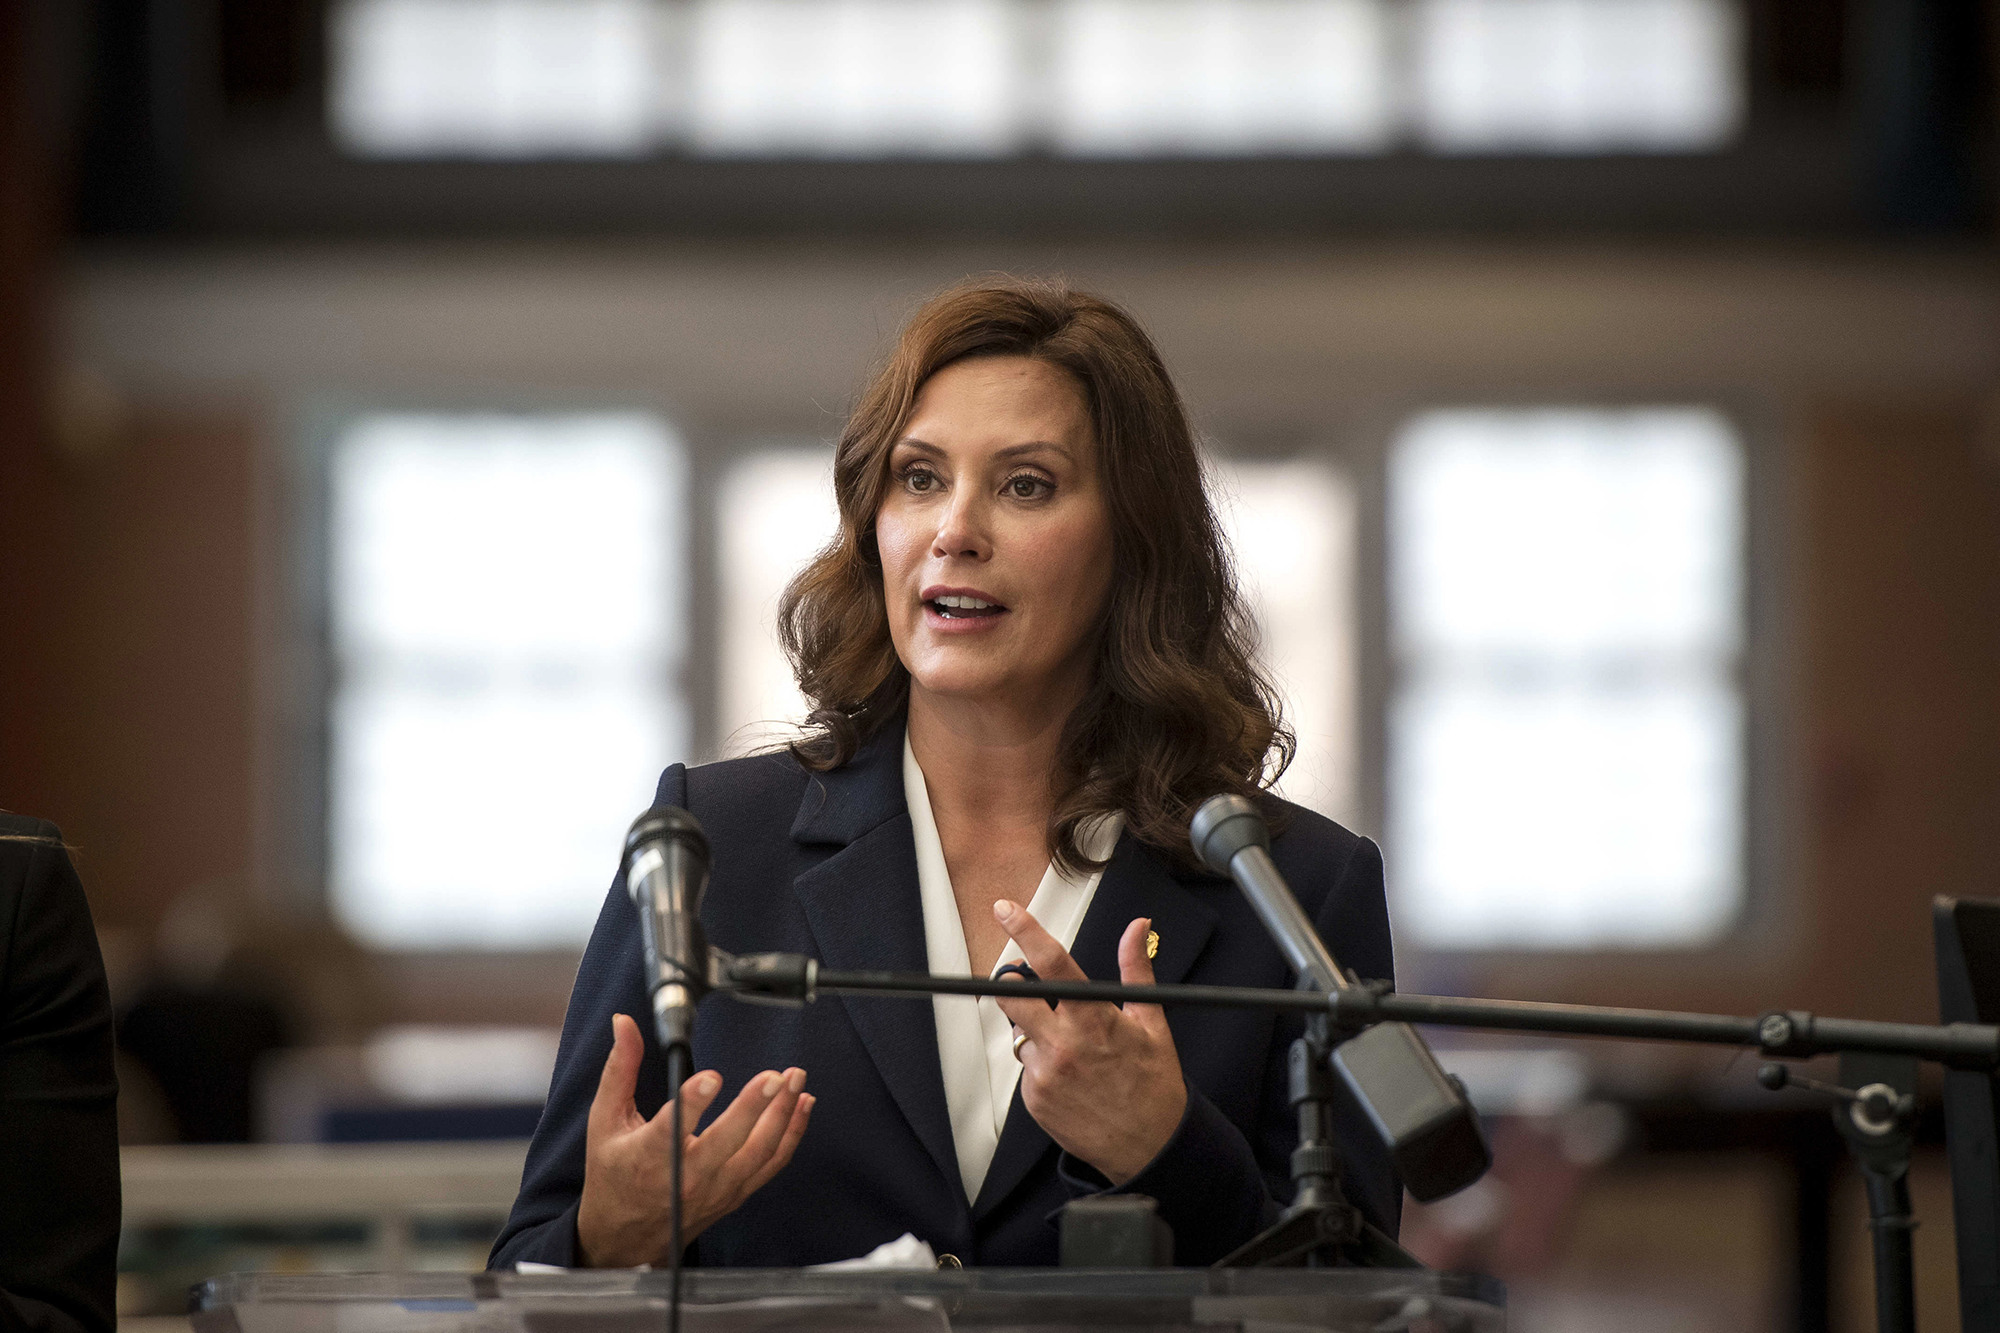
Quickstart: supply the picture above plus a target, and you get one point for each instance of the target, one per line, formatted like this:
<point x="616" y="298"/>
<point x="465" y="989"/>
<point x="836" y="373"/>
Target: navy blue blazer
<point x="825" y="864"/>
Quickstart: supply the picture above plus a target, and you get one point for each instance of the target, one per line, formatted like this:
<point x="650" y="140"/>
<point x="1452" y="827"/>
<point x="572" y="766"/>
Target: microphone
<point x="1420" y="1112"/>
<point x="666" y="871"/>
<point x="1231" y="839"/>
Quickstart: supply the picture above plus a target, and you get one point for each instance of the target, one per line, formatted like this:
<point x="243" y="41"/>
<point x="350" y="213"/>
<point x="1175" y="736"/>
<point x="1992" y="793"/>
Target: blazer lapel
<point x="1136" y="883"/>
<point x="866" y="913"/>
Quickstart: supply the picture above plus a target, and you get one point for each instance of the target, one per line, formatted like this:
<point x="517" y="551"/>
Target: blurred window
<point x="496" y="78"/>
<point x="507" y="631"/>
<point x="1291" y="527"/>
<point x="1567" y="728"/>
<point x="998" y="78"/>
<point x="853" y="78"/>
<point x="1579" y="76"/>
<point x="774" y="513"/>
<point x="1220" y="77"/>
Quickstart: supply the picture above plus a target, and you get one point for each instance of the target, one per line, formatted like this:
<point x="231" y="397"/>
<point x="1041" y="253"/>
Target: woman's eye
<point x="919" y="480"/>
<point x="1027" y="487"/>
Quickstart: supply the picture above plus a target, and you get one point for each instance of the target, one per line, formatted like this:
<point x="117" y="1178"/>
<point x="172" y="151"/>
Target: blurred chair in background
<point x="225" y="989"/>
<point x="198" y="1030"/>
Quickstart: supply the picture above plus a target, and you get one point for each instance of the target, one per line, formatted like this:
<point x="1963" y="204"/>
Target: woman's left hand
<point x="1104" y="1081"/>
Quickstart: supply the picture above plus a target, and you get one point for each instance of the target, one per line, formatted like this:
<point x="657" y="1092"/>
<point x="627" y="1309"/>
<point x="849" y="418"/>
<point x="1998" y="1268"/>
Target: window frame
<point x="722" y="738"/>
<point x="219" y="145"/>
<point x="302" y="718"/>
<point x="1330" y="450"/>
<point x="210" y="162"/>
<point x="1763" y="853"/>
<point x="1031" y="38"/>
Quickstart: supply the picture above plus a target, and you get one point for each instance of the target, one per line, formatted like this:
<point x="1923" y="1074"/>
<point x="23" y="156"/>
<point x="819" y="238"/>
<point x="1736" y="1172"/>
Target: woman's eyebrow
<point x="1034" y="447"/>
<point x="1012" y="451"/>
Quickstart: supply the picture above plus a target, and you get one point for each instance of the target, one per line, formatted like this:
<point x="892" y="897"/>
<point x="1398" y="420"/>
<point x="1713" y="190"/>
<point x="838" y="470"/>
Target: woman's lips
<point x="960" y="606"/>
<point x="959" y="611"/>
<point x="958" y="619"/>
<point x="960" y="598"/>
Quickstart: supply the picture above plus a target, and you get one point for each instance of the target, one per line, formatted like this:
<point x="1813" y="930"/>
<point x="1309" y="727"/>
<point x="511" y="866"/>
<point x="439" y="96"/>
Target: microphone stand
<point x="680" y="1068"/>
<point x="1320" y="1228"/>
<point x="664" y="870"/>
<point x="1319" y="1219"/>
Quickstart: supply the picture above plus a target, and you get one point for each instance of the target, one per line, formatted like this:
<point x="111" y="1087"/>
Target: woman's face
<point x="995" y="537"/>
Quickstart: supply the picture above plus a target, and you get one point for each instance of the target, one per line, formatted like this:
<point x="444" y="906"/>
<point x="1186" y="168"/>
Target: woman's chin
<point x="969" y="679"/>
<point x="961" y="686"/>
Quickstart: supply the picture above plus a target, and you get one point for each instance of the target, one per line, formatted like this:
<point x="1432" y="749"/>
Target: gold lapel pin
<point x="1152" y="943"/>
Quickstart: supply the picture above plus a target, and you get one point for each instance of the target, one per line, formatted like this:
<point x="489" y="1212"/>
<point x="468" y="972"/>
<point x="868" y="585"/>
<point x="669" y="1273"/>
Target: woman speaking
<point x="1028" y="664"/>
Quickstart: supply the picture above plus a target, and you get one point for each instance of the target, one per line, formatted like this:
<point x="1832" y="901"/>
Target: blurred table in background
<point x="192" y="1211"/>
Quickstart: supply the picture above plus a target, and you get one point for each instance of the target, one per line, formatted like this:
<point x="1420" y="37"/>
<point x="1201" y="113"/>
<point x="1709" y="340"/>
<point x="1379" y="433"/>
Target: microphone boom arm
<point x="1788" y="1034"/>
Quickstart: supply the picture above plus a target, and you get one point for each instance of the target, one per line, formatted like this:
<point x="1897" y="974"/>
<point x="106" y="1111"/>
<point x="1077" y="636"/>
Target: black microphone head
<point x="1224" y="826"/>
<point x="1420" y="1113"/>
<point x="671" y="823"/>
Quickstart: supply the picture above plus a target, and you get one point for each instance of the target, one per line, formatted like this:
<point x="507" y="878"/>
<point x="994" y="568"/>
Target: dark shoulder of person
<point x="749" y="807"/>
<point x="59" y="1194"/>
<point x="1299" y="832"/>
<point x="751" y="791"/>
<point x="1336" y="874"/>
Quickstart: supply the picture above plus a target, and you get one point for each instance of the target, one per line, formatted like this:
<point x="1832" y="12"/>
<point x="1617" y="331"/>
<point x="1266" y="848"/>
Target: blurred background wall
<point x="329" y="330"/>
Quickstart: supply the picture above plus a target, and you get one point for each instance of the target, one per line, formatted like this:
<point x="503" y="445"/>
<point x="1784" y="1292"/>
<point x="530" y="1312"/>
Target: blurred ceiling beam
<point x="1295" y="332"/>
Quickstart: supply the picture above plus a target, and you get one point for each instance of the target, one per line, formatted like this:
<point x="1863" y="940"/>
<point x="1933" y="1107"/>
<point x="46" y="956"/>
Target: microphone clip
<point x="782" y="980"/>
<point x="1358" y="1004"/>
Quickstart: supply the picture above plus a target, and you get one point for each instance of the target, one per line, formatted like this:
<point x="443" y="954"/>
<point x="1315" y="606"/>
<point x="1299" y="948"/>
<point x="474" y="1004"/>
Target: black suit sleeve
<point x="1206" y="1180"/>
<point x="59" y="1193"/>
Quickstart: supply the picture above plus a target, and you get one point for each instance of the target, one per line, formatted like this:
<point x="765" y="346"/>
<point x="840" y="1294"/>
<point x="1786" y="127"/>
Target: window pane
<point x="854" y="78"/>
<point x="490" y="818"/>
<point x="495" y="78"/>
<point x="1567" y="734"/>
<point x="1578" y="75"/>
<point x="1291" y="526"/>
<point x="1563" y="815"/>
<point x="987" y="78"/>
<point x="1220" y="76"/>
<point x="507" y="624"/>
<point x="1573" y="532"/>
<point x="775" y="512"/>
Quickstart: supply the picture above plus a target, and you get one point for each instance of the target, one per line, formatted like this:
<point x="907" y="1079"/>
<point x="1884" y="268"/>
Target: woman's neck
<point x="986" y="770"/>
<point x="986" y="764"/>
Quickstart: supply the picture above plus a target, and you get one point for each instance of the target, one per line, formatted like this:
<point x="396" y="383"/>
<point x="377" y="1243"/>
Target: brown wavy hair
<point x="1177" y="708"/>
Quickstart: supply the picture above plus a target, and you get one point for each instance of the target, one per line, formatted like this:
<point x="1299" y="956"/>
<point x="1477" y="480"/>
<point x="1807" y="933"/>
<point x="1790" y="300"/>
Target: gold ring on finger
<point x="1020" y="1040"/>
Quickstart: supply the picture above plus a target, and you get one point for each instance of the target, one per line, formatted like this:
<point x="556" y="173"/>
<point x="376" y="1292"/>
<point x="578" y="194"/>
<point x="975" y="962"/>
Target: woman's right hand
<point x="623" y="1220"/>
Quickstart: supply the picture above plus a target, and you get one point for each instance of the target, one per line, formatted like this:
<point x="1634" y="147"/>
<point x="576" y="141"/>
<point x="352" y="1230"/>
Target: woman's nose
<point x="963" y="531"/>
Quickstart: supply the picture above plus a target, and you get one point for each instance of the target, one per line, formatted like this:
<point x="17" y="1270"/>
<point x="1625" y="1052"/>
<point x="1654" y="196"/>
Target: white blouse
<point x="975" y="1039"/>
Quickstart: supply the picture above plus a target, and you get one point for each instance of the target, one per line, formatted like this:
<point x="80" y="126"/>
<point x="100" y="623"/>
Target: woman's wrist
<point x="594" y="1245"/>
<point x="608" y="1243"/>
<point x="1148" y="1148"/>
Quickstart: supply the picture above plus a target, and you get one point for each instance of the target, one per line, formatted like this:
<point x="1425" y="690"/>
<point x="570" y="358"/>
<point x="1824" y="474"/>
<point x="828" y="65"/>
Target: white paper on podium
<point x="906" y="1251"/>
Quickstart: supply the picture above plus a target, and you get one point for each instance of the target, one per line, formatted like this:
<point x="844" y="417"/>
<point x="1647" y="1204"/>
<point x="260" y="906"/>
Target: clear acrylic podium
<point x="1018" y="1300"/>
